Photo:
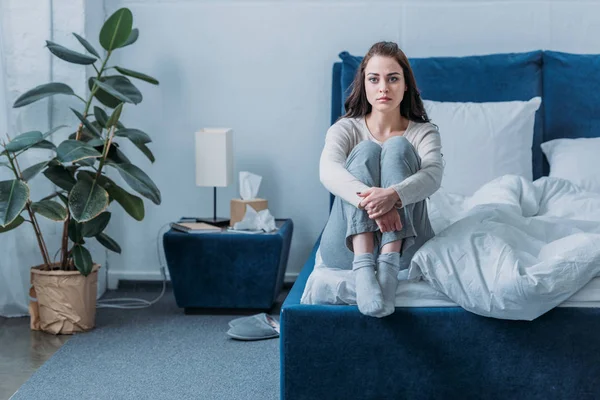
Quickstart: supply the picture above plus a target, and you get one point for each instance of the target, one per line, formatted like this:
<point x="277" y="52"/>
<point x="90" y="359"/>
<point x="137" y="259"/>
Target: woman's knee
<point x="366" y="150"/>
<point x="364" y="162"/>
<point x="398" y="144"/>
<point x="400" y="147"/>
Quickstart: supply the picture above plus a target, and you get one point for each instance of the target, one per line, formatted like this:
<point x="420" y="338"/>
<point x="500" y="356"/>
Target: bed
<point x="430" y="348"/>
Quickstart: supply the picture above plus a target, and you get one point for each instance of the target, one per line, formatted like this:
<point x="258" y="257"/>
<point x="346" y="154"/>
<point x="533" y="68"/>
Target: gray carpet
<point x="158" y="353"/>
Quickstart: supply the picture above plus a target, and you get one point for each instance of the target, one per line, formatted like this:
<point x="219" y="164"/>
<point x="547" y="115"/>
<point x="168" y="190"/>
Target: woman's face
<point x="384" y="83"/>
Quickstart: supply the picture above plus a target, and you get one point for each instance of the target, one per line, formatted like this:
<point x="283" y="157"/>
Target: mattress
<point x="421" y="294"/>
<point x="334" y="286"/>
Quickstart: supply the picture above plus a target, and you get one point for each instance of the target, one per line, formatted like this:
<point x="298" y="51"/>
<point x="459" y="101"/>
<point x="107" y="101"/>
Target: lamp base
<point x="214" y="221"/>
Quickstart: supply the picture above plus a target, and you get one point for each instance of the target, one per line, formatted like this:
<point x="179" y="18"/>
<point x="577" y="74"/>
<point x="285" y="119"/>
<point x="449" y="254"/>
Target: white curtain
<point x="14" y="278"/>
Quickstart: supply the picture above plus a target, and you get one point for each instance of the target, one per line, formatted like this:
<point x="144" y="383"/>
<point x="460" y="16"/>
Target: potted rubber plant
<point x="66" y="288"/>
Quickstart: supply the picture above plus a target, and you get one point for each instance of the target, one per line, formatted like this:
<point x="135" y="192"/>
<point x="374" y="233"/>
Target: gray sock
<point x="388" y="266"/>
<point x="368" y="293"/>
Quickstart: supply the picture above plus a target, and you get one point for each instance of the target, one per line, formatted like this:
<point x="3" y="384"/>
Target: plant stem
<point x="107" y="144"/>
<point x="36" y="227"/>
<point x="32" y="214"/>
<point x="92" y="94"/>
<point x="65" y="235"/>
<point x="65" y="240"/>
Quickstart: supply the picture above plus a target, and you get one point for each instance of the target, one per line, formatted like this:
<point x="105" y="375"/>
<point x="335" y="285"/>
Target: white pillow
<point x="575" y="160"/>
<point x="483" y="141"/>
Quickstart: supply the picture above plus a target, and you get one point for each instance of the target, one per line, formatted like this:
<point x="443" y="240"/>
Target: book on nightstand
<point x="194" y="227"/>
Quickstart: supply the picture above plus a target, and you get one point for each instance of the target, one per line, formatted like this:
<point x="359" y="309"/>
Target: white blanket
<point x="513" y="250"/>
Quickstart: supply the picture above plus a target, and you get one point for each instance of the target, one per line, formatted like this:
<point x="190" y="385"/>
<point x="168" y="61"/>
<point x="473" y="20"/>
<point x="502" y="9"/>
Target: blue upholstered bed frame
<point x="334" y="352"/>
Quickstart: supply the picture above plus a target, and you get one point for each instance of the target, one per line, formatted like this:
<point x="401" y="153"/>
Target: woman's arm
<point x="332" y="166"/>
<point x="428" y="179"/>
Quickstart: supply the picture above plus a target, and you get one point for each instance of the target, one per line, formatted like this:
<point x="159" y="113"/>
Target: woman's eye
<point x="372" y="80"/>
<point x="393" y="79"/>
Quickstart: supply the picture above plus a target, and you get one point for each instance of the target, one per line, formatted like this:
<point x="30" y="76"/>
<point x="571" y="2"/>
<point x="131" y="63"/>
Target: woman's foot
<point x="369" y="297"/>
<point x="388" y="266"/>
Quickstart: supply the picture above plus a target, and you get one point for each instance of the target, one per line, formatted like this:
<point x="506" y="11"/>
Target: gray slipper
<point x="236" y="321"/>
<point x="256" y="327"/>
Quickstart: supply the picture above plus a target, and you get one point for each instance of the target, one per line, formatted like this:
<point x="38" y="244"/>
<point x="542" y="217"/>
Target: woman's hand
<point x="389" y="222"/>
<point x="377" y="201"/>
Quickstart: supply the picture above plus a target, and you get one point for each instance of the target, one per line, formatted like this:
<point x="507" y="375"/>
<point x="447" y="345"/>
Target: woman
<point x="381" y="160"/>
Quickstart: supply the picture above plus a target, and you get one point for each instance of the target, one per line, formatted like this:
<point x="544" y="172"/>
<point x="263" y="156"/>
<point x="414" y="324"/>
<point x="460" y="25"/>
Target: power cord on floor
<point x="133" y="303"/>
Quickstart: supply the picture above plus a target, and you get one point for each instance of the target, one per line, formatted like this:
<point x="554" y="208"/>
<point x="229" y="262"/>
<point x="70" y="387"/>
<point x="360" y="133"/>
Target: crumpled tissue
<point x="255" y="221"/>
<point x="249" y="184"/>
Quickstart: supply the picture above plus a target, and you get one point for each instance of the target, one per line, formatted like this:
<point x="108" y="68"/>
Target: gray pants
<point x="376" y="166"/>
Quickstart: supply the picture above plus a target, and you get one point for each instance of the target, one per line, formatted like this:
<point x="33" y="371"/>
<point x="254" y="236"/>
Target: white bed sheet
<point x="329" y="286"/>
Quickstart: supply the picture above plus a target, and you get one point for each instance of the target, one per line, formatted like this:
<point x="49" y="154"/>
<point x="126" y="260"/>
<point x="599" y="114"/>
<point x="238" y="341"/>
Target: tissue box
<point x="238" y="208"/>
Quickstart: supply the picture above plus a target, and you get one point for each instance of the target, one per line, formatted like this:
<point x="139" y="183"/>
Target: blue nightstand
<point x="228" y="269"/>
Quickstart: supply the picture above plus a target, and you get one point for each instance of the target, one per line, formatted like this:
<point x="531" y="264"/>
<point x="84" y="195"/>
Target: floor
<point x="23" y="351"/>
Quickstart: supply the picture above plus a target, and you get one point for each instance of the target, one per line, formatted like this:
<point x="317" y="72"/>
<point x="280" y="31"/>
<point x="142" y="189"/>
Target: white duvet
<point x="513" y="250"/>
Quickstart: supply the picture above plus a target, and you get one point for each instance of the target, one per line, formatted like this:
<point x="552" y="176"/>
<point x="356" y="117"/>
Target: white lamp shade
<point x="214" y="157"/>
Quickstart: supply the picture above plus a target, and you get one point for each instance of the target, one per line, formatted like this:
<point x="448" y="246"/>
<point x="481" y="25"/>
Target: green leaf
<point x="113" y="92"/>
<point x="42" y="91"/>
<point x="108" y="242"/>
<point x="133" y="205"/>
<point x="116" y="29"/>
<point x="119" y="83"/>
<point x="33" y="140"/>
<point x="87" y="123"/>
<point x="135" y="135"/>
<point x="96" y="143"/>
<point x="75" y="150"/>
<point x="139" y="181"/>
<point x="13" y="198"/>
<point x="82" y="259"/>
<point x="24" y="140"/>
<point x="138" y="75"/>
<point x="106" y="99"/>
<point x="50" y="209"/>
<point x="87" y="45"/>
<point x="69" y="55"/>
<point x="115" y="116"/>
<point x="87" y="162"/>
<point x="85" y="135"/>
<point x="50" y="196"/>
<point x="18" y="221"/>
<point x="32" y="171"/>
<point x="64" y="199"/>
<point x="87" y="200"/>
<point x="144" y="149"/>
<point x="115" y="155"/>
<point x="75" y="229"/>
<point x="97" y="225"/>
<point x="135" y="33"/>
<point x="4" y="164"/>
<point x="44" y="144"/>
<point x="100" y="116"/>
<point x="60" y="176"/>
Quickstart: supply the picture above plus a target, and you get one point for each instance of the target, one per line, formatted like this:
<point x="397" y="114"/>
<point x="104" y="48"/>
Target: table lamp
<point x="214" y="164"/>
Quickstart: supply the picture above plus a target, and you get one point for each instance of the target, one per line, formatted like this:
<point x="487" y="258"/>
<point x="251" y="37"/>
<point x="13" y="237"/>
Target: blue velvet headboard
<point x="572" y="95"/>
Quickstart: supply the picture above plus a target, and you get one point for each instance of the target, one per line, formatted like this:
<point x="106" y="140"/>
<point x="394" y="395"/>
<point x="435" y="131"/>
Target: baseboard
<point x="115" y="276"/>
